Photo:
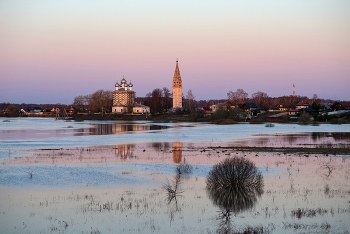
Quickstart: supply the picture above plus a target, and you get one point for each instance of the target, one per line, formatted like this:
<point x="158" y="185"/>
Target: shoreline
<point x="168" y="118"/>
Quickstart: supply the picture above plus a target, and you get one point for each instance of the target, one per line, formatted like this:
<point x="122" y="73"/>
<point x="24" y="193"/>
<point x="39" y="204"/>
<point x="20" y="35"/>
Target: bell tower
<point x="177" y="88"/>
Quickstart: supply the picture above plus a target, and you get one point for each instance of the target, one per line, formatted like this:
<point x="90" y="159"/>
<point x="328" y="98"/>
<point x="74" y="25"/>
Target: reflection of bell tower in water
<point x="177" y="152"/>
<point x="124" y="151"/>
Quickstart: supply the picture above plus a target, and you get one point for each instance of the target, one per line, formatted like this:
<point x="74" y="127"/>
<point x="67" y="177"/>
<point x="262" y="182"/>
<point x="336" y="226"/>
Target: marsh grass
<point x="260" y="229"/>
<point x="335" y="149"/>
<point x="126" y="172"/>
<point x="247" y="229"/>
<point x="58" y="226"/>
<point x="309" y="226"/>
<point x="304" y="212"/>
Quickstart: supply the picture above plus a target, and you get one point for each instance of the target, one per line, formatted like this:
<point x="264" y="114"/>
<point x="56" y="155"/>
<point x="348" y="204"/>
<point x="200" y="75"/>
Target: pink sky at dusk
<point x="51" y="52"/>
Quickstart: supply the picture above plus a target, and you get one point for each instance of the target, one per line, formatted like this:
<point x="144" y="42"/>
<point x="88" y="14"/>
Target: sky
<point x="53" y="51"/>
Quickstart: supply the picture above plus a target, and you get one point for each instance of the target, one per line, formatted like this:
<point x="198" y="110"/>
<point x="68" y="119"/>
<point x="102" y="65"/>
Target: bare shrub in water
<point x="30" y="173"/>
<point x="235" y="184"/>
<point x="329" y="169"/>
<point x="172" y="188"/>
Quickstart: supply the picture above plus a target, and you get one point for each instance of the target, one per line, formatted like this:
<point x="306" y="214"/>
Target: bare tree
<point x="11" y="111"/>
<point x="231" y="96"/>
<point x="101" y="100"/>
<point x="155" y="101"/>
<point x="239" y="96"/>
<point x="167" y="98"/>
<point x="260" y="98"/>
<point x="80" y="102"/>
<point x="190" y="98"/>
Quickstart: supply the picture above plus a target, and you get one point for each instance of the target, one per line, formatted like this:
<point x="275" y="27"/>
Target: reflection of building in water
<point x="177" y="152"/>
<point x="101" y="129"/>
<point x="124" y="151"/>
<point x="119" y="128"/>
<point x="160" y="146"/>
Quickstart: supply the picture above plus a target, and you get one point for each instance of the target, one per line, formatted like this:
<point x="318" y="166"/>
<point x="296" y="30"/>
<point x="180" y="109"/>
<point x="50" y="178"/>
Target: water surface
<point x="108" y="177"/>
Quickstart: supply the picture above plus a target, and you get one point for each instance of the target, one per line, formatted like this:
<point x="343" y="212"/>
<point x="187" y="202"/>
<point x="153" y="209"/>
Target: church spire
<point x="177" y="87"/>
<point x="177" y="77"/>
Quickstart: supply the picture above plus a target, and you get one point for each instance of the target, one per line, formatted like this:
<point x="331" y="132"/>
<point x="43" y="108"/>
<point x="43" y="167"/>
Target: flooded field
<point x="144" y="177"/>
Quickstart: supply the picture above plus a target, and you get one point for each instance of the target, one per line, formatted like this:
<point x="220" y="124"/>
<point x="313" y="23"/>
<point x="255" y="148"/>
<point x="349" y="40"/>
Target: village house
<point x="35" y="110"/>
<point x="54" y="111"/>
<point x="294" y="112"/>
<point x="286" y="106"/>
<point x="282" y="107"/>
<point x="206" y="110"/>
<point x="221" y="105"/>
<point x="71" y="110"/>
<point x="342" y="106"/>
<point x="217" y="106"/>
<point x="249" y="106"/>
<point x="274" y="109"/>
<point x="302" y="105"/>
<point x="140" y="109"/>
<point x="309" y="110"/>
<point x="249" y="109"/>
<point x="119" y="108"/>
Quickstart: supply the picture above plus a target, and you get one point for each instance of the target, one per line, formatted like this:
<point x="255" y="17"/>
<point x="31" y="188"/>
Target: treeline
<point x="101" y="100"/>
<point x="264" y="101"/>
<point x="13" y="109"/>
<point x="160" y="101"/>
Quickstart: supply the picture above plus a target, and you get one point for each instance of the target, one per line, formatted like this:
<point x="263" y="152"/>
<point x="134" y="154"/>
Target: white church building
<point x="124" y="99"/>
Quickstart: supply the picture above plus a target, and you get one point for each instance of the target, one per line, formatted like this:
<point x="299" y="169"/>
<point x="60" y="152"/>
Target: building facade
<point x="140" y="109"/>
<point x="177" y="88"/>
<point x="123" y="97"/>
